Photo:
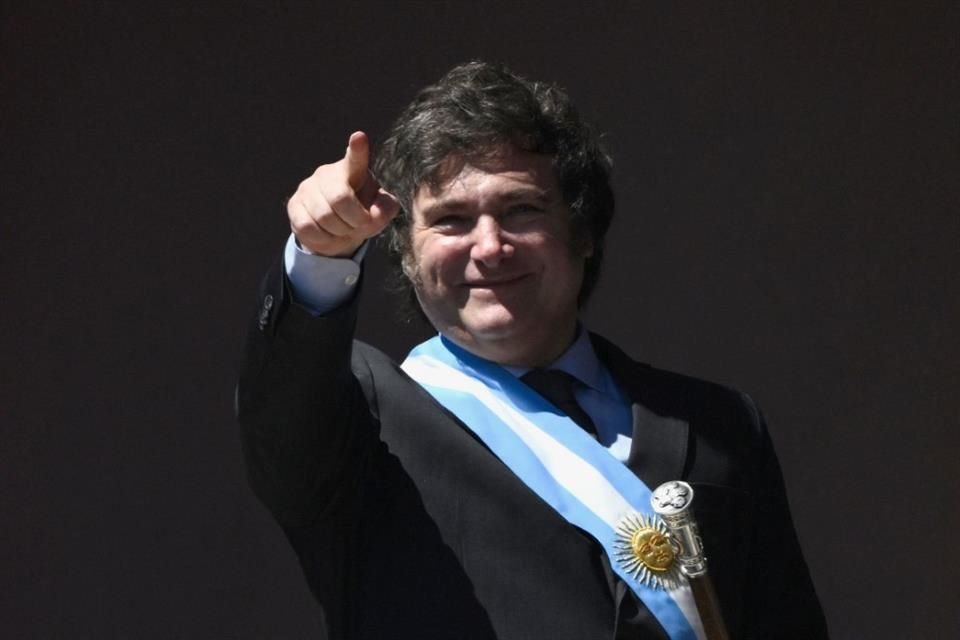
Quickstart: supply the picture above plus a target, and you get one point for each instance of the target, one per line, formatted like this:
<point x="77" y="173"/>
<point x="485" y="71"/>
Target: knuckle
<point x="306" y="186"/>
<point x="339" y="194"/>
<point x="302" y="229"/>
<point x="320" y="173"/>
<point x="295" y="211"/>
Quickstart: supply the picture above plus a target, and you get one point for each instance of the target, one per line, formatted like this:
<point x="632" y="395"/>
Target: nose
<point x="489" y="245"/>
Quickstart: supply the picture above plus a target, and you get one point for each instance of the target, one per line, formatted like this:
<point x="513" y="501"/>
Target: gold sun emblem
<point x="646" y="551"/>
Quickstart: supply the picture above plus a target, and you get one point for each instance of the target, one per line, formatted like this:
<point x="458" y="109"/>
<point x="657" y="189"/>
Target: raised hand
<point x="341" y="205"/>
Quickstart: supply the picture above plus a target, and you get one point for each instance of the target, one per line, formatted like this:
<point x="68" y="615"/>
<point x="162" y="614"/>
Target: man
<point x="481" y="490"/>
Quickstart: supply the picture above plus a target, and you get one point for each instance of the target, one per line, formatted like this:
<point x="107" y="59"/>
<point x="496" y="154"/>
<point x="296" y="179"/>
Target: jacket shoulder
<point x="668" y="392"/>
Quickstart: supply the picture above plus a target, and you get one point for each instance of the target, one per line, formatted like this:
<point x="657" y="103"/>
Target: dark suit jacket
<point x="406" y="526"/>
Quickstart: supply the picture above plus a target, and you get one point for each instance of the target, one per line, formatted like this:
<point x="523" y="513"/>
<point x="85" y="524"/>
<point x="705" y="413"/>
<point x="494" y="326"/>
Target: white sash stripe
<point x="570" y="471"/>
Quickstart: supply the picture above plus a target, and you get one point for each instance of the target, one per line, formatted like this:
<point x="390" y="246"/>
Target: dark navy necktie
<point x="558" y="387"/>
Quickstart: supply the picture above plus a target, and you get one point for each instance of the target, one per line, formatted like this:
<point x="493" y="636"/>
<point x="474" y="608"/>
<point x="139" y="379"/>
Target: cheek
<point x="422" y="275"/>
<point x="441" y="262"/>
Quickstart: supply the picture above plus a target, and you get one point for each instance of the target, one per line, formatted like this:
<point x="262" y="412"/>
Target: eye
<point x="451" y="222"/>
<point x="524" y="208"/>
<point x="518" y="215"/>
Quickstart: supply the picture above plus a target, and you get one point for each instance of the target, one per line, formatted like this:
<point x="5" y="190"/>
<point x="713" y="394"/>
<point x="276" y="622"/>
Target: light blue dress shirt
<point x="321" y="284"/>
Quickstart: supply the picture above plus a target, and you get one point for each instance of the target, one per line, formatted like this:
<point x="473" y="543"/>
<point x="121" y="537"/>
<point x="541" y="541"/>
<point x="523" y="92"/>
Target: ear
<point x="584" y="248"/>
<point x="581" y="239"/>
<point x="409" y="267"/>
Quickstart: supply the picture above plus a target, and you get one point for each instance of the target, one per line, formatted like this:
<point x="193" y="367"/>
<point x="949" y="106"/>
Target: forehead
<point x="508" y="174"/>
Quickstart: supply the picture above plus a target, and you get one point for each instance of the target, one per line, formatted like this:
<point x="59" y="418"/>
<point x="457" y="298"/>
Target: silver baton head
<point x="671" y="501"/>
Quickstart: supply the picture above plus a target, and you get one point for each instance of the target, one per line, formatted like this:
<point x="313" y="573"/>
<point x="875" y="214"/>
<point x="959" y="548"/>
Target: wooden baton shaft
<point x="709" y="608"/>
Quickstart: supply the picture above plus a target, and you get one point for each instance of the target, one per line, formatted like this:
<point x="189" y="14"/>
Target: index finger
<point x="357" y="160"/>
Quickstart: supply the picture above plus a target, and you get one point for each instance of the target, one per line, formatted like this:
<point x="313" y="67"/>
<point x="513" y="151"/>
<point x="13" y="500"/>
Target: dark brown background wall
<point x="788" y="199"/>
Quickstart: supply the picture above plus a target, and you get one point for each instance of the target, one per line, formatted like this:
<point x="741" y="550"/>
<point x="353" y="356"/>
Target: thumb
<point x="383" y="209"/>
<point x="357" y="159"/>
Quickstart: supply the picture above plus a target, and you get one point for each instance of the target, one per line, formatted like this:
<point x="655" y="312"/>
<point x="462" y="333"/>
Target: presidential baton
<point x="672" y="501"/>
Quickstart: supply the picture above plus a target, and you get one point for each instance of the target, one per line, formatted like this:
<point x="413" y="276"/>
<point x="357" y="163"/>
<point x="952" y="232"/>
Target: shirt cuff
<point x="318" y="283"/>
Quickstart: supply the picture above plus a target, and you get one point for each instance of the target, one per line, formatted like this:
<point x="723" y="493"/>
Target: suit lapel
<point x="658" y="452"/>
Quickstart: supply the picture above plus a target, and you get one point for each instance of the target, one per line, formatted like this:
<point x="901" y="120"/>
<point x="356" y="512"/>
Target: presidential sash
<point x="561" y="463"/>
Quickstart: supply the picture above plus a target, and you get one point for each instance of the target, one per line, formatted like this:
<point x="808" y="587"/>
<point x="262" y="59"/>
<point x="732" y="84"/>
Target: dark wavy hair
<point x="474" y="111"/>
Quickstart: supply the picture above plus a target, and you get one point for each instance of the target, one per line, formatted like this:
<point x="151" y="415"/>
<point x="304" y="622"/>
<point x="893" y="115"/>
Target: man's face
<point x="492" y="260"/>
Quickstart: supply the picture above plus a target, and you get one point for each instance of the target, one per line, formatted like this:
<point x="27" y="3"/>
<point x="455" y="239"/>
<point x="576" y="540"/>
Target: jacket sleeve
<point x="305" y="422"/>
<point x="780" y="596"/>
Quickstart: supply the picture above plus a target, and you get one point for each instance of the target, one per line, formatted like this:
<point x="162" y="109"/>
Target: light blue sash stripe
<point x="596" y="517"/>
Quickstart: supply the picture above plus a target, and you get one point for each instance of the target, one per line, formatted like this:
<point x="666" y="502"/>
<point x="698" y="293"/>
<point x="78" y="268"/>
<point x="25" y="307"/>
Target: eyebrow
<point x="541" y="196"/>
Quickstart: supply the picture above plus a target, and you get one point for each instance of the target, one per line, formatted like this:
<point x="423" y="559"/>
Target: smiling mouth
<point x="494" y="284"/>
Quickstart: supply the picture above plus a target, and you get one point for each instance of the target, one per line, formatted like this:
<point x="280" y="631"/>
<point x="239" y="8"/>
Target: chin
<point x="493" y="323"/>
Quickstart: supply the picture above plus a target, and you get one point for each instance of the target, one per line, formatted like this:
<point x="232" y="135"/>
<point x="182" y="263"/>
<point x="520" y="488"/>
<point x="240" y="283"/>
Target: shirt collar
<point x="580" y="361"/>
